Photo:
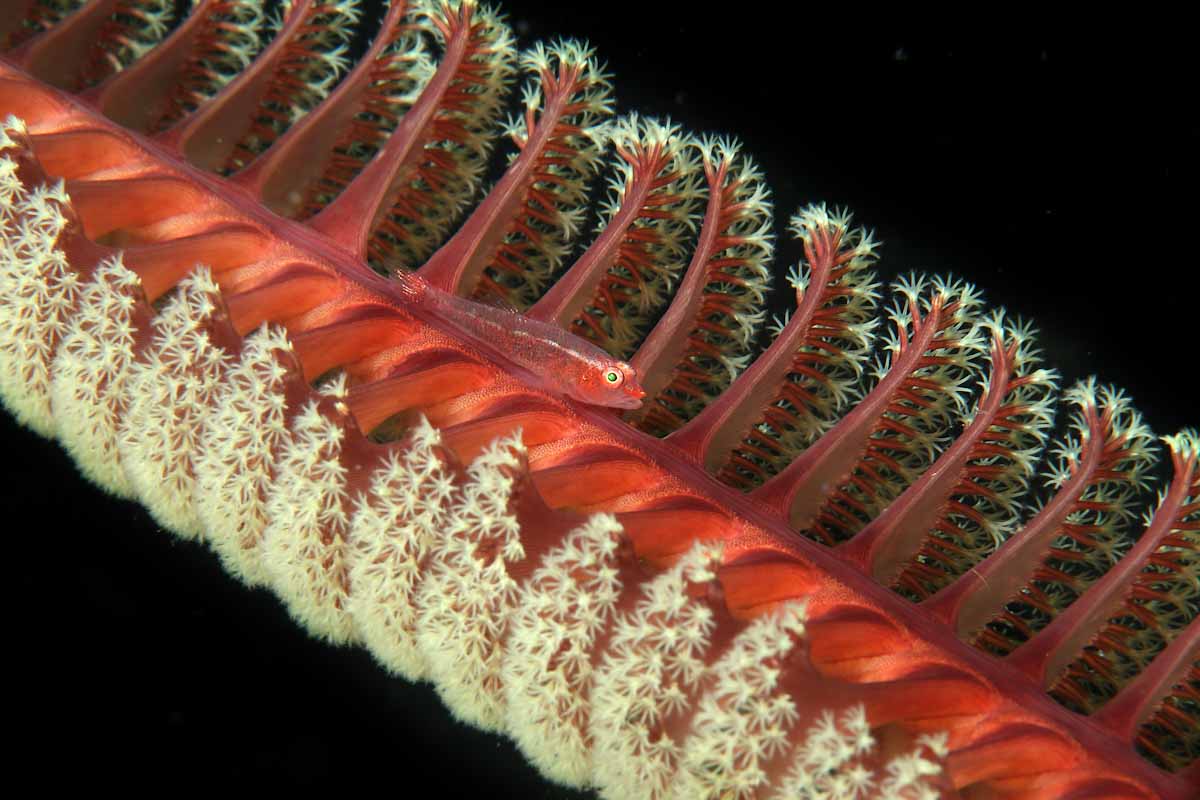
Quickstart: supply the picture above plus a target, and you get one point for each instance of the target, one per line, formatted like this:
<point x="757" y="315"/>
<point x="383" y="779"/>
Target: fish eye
<point x="613" y="377"/>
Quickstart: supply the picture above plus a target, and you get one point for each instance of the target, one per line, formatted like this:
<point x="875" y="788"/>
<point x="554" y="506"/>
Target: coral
<point x="863" y="562"/>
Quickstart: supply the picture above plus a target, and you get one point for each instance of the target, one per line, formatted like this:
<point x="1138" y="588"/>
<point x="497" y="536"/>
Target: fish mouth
<point x="633" y="397"/>
<point x="628" y="401"/>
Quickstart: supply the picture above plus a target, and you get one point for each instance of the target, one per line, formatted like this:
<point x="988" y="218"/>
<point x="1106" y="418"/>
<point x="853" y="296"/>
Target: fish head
<point x="610" y="383"/>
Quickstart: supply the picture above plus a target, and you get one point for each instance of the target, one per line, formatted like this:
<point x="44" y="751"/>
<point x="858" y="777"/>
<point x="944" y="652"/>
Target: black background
<point x="1052" y="162"/>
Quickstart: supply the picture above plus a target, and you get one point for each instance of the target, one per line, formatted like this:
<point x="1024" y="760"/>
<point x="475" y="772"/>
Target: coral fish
<point x="564" y="363"/>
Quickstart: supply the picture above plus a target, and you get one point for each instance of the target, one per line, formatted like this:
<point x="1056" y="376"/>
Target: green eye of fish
<point x="613" y="377"/>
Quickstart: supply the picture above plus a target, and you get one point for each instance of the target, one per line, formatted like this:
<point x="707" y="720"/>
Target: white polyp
<point x="466" y="601"/>
<point x="742" y="721"/>
<point x="562" y="609"/>
<point x="307" y="522"/>
<point x="38" y="291"/>
<point x="239" y="443"/>
<point x="651" y="673"/>
<point x="91" y="369"/>
<point x="170" y="391"/>
<point x="392" y="530"/>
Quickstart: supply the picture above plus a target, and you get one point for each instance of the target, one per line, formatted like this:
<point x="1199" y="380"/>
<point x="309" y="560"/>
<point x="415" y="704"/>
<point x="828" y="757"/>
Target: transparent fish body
<point x="562" y="362"/>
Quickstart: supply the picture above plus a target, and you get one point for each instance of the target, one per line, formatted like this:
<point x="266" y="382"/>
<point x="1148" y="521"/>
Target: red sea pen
<point x="201" y="409"/>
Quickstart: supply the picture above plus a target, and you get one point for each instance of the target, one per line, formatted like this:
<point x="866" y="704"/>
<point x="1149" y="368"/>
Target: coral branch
<point x="886" y="437"/>
<point x="968" y="496"/>
<point x="96" y="41"/>
<point x="430" y="165"/>
<point x="319" y="155"/>
<point x="519" y="233"/>
<point x="611" y="291"/>
<point x="1138" y="699"/>
<point x="209" y="48"/>
<point x="1046" y="655"/>
<point x="702" y="341"/>
<point x="1099" y="467"/>
<point x="27" y="18"/>
<point x="793" y="389"/>
<point x="292" y="75"/>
